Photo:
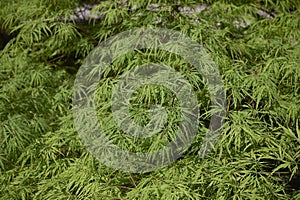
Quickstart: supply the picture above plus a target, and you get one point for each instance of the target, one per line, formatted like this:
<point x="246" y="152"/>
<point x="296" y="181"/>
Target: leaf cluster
<point x="258" y="154"/>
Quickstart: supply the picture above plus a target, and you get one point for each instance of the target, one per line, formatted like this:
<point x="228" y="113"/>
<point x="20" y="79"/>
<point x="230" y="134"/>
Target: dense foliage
<point x="255" y="44"/>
